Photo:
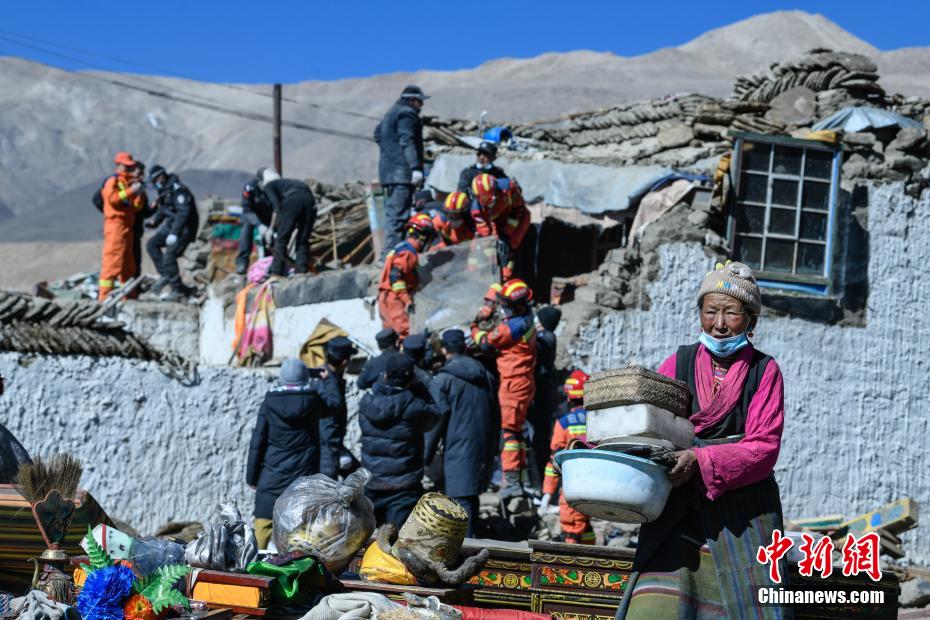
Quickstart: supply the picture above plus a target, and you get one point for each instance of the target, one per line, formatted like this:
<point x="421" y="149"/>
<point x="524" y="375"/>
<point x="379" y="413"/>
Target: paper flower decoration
<point x="139" y="608"/>
<point x="103" y="593"/>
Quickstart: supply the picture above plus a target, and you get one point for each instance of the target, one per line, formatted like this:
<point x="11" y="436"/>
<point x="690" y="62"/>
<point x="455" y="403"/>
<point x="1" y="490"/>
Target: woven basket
<point x="633" y="385"/>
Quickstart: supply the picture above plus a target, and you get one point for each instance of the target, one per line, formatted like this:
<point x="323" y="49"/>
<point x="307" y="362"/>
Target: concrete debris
<point x="914" y="593"/>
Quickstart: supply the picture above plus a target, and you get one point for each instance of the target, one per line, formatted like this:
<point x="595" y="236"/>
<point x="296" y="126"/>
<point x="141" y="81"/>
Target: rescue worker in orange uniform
<point x="514" y="341"/>
<point x="576" y="527"/>
<point x="452" y="223"/>
<point x="499" y="209"/>
<point x="399" y="278"/>
<point x="123" y="198"/>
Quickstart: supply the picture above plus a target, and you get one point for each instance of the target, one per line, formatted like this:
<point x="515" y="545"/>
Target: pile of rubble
<point x="687" y="130"/>
<point x="848" y="75"/>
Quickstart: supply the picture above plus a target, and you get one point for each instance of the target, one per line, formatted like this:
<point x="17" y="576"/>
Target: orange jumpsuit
<point x="120" y="206"/>
<point x="508" y="217"/>
<point x="398" y="282"/>
<point x="448" y="234"/>
<point x="515" y="339"/>
<point x="576" y="527"/>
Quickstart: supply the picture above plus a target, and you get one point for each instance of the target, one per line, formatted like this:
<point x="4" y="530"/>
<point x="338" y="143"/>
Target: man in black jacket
<point x="374" y="368"/>
<point x="178" y="222"/>
<point x="548" y="396"/>
<point x="393" y="420"/>
<point x="285" y="443"/>
<point x="415" y="347"/>
<point x="294" y="211"/>
<point x="335" y="458"/>
<point x="487" y="153"/>
<point x="400" y="167"/>
<point x="256" y="215"/>
<point x="465" y="396"/>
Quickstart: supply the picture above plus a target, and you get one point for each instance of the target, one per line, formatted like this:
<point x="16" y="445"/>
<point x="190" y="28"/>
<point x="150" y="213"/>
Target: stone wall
<point x="856" y="425"/>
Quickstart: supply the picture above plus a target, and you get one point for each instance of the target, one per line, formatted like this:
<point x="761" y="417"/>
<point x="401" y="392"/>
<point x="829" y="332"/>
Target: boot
<point x="511" y="485"/>
<point x="158" y="286"/>
<point x="177" y="293"/>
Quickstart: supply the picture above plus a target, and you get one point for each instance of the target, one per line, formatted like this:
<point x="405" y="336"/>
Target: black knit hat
<point x="549" y="317"/>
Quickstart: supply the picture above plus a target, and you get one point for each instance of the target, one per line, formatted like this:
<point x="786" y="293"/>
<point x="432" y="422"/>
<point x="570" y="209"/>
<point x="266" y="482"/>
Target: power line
<point x="6" y="34"/>
<point x="196" y="100"/>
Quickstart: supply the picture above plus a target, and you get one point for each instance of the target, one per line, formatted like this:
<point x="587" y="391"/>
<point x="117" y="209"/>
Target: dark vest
<point x="734" y="423"/>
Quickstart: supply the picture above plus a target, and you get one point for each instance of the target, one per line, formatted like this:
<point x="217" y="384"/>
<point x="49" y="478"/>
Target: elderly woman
<point x="698" y="559"/>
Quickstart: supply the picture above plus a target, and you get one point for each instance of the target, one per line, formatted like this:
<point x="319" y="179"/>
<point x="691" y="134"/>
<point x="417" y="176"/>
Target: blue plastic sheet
<point x="859" y="117"/>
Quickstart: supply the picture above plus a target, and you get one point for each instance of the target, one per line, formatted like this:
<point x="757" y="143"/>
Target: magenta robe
<point x="730" y="466"/>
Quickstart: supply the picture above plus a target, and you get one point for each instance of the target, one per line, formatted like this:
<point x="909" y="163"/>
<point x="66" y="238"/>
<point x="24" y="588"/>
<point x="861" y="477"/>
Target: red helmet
<point x="124" y="159"/>
<point x="456" y="203"/>
<point x="574" y="385"/>
<point x="484" y="189"/>
<point x="420" y="223"/>
<point x="516" y="291"/>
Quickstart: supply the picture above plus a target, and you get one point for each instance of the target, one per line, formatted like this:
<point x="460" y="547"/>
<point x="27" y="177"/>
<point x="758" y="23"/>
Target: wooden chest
<point x="578" y="581"/>
<point x="506" y="578"/>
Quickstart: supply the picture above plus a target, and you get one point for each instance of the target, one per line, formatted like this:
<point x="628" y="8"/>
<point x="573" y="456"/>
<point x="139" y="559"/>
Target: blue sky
<point x="237" y="41"/>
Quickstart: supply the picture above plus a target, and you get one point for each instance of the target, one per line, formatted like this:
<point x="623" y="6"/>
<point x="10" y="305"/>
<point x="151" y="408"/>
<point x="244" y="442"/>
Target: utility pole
<point x="277" y="129"/>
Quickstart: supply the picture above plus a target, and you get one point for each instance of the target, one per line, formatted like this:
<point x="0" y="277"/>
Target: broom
<point x="50" y="486"/>
<point x="62" y="473"/>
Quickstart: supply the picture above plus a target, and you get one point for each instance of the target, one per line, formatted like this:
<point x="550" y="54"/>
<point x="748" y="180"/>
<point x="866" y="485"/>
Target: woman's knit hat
<point x="735" y="280"/>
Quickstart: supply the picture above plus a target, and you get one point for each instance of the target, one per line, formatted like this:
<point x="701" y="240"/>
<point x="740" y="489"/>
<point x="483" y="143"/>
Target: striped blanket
<point x="20" y="538"/>
<point x="697" y="561"/>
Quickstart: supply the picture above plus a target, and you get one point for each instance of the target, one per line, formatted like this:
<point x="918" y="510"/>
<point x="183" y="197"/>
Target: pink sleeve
<point x="668" y="367"/>
<point x="730" y="466"/>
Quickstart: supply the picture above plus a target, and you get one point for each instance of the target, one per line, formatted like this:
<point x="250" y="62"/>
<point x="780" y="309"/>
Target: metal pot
<point x="613" y="486"/>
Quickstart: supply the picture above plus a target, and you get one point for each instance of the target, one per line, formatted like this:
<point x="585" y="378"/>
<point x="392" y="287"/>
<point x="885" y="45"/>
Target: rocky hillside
<point x="59" y="129"/>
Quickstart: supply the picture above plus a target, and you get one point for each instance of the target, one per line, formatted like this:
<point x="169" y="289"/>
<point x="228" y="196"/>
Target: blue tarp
<point x="591" y="188"/>
<point x="859" y="118"/>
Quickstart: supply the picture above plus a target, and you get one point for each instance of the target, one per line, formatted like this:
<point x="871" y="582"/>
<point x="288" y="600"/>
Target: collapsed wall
<point x="856" y="430"/>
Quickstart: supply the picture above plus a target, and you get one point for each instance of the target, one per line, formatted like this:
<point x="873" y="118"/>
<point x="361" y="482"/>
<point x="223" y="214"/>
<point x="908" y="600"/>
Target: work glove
<point x="263" y="231"/>
<point x="171" y="239"/>
<point x="416" y="177"/>
<point x="136" y="186"/>
<point x="345" y="462"/>
<point x="268" y="237"/>
<point x="544" y="501"/>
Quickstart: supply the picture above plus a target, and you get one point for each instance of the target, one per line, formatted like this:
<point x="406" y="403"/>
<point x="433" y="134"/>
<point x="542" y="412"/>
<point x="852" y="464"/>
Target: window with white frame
<point x="782" y="220"/>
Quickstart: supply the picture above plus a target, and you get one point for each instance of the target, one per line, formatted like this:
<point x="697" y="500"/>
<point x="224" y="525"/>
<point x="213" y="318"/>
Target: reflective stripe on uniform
<point x="512" y="222"/>
<point x="122" y="194"/>
<point x="399" y="286"/>
<point x="481" y="335"/>
<point x="577" y="429"/>
<point x="106" y="283"/>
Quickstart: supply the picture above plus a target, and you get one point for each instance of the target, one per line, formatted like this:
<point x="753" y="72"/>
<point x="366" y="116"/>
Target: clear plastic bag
<point x="331" y="520"/>
<point x="228" y="545"/>
<point x="150" y="554"/>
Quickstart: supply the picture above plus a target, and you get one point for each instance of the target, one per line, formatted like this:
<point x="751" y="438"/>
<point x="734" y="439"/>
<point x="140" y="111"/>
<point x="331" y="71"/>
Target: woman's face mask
<point x="724" y="347"/>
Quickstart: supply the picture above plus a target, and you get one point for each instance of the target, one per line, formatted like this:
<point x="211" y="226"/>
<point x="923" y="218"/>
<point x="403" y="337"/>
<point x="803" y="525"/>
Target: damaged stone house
<point x="810" y="173"/>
